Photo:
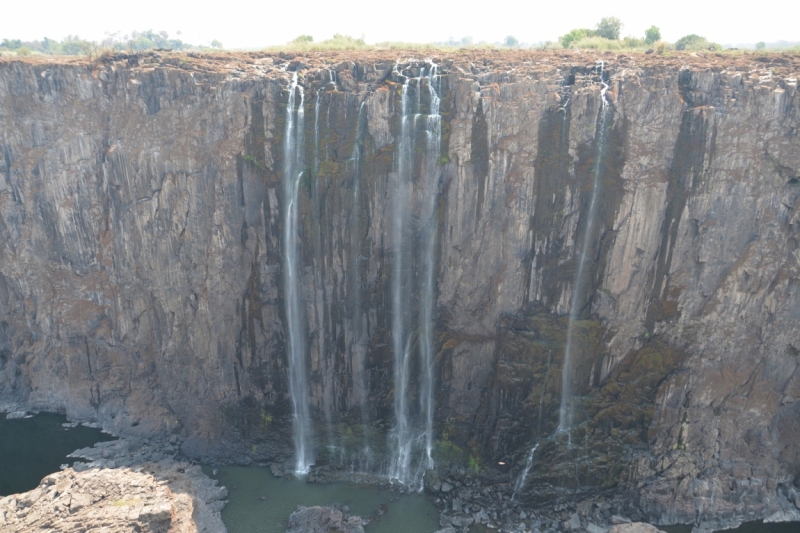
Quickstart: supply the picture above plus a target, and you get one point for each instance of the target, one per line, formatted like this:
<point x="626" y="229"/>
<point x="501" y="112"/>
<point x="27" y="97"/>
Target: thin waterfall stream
<point x="359" y="341"/>
<point x="566" y="410"/>
<point x="433" y="132"/>
<point x="523" y="475"/>
<point x="293" y="169"/>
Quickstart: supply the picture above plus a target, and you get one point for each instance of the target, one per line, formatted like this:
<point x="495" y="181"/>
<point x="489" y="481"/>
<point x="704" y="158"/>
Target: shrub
<point x="337" y="42"/>
<point x="652" y="35"/>
<point x="693" y="42"/>
<point x="634" y="42"/>
<point x="609" y="27"/>
<point x="597" y="43"/>
<point x="11" y="44"/>
<point x="573" y="36"/>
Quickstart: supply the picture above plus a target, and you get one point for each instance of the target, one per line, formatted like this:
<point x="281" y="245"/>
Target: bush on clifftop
<point x="694" y="42"/>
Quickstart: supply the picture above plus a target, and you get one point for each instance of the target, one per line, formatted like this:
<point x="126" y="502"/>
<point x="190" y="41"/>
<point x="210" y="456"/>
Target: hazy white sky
<point x="251" y="24"/>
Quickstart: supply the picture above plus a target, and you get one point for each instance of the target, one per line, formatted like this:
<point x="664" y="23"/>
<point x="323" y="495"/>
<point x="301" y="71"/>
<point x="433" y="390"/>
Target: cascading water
<point x="433" y="132"/>
<point x="523" y="475"/>
<point x="401" y="274"/>
<point x="359" y="340"/>
<point x="319" y="285"/>
<point x="298" y="383"/>
<point x="566" y="410"/>
<point x="406" y="434"/>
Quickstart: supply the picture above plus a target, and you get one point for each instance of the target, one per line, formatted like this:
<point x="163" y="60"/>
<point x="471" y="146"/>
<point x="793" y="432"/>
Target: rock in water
<point x="317" y="519"/>
<point x="635" y="527"/>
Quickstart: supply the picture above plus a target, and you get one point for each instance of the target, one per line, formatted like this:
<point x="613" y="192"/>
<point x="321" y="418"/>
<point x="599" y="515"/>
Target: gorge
<point x="568" y="274"/>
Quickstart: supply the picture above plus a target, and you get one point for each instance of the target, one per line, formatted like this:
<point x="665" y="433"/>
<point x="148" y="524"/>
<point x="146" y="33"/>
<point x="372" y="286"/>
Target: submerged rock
<point x="635" y="527"/>
<point x="318" y="519"/>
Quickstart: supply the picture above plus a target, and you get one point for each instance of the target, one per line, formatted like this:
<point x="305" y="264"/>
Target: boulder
<point x="635" y="527"/>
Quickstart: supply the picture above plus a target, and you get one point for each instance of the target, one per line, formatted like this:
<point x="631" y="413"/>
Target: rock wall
<point x="140" y="258"/>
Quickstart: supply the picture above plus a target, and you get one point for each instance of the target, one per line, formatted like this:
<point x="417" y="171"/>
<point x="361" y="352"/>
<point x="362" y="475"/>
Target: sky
<point x="247" y="24"/>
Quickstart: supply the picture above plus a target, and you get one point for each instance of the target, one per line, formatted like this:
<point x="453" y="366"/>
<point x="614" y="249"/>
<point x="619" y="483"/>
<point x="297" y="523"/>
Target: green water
<point x="31" y="448"/>
<point x="749" y="527"/>
<point x="247" y="512"/>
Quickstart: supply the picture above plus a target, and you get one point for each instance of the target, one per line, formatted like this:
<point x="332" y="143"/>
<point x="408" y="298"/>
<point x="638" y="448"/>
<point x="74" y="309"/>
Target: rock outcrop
<point x="140" y="270"/>
<point x="331" y="519"/>
<point x="148" y="498"/>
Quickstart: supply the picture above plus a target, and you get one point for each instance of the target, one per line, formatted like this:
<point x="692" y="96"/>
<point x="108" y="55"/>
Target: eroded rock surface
<point x="147" y="498"/>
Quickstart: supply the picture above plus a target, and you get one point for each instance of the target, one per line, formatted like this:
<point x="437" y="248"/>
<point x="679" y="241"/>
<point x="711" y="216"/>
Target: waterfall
<point x="359" y="340"/>
<point x="298" y="383"/>
<point x="401" y="274"/>
<point x="319" y="284"/>
<point x="565" y="414"/>
<point x="433" y="131"/>
<point x="407" y="434"/>
<point x="523" y="475"/>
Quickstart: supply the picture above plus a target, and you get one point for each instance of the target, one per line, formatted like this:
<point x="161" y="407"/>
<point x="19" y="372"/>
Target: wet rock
<point x="319" y="519"/>
<point x="276" y="469"/>
<point x="431" y="481"/>
<point x="635" y="527"/>
<point x="574" y="523"/>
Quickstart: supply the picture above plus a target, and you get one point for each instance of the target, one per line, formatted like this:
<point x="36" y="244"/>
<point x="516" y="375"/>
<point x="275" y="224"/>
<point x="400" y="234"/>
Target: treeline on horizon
<point x="72" y="45"/>
<point x="606" y="35"/>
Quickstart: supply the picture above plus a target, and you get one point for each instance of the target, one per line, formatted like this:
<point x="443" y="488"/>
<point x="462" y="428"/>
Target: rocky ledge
<point x="163" y="497"/>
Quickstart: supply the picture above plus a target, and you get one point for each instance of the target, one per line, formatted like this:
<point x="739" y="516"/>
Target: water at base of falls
<point x="298" y="381"/>
<point x="566" y="410"/>
<point x="262" y="503"/>
<point x="412" y="437"/>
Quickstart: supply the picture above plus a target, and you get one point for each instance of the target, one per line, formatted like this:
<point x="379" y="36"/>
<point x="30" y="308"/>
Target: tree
<point x="303" y="39"/>
<point x="652" y="34"/>
<point x="761" y="45"/>
<point x="12" y="44"/>
<point x="216" y="44"/>
<point x="511" y="41"/>
<point x="691" y="42"/>
<point x="573" y="36"/>
<point x="609" y="28"/>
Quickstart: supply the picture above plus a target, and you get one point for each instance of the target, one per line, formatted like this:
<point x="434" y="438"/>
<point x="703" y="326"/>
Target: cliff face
<point x="141" y="242"/>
